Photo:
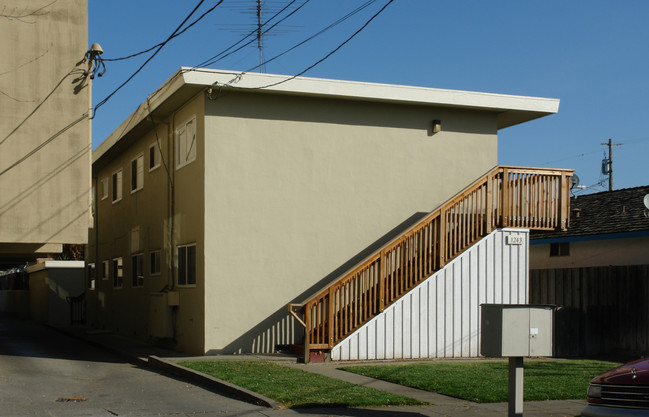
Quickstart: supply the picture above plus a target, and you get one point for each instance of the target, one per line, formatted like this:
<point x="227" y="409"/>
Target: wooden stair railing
<point x="531" y="198"/>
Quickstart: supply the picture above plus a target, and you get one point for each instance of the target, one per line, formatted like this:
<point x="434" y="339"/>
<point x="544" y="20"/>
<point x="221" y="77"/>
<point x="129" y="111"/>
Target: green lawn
<point x="486" y="381"/>
<point x="295" y="388"/>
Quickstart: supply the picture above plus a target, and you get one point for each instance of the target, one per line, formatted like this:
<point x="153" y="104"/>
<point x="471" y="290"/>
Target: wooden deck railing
<point x="530" y="198"/>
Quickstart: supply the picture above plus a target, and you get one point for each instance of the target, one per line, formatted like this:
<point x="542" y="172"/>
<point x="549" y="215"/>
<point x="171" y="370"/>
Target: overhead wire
<point x="224" y="53"/>
<point x="336" y="23"/>
<point x="210" y="10"/>
<point x="318" y="62"/>
<point x="162" y="45"/>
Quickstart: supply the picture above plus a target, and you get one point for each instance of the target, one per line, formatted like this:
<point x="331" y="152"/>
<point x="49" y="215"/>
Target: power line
<point x="224" y="53"/>
<point x="330" y="53"/>
<point x="336" y="23"/>
<point x="162" y="45"/>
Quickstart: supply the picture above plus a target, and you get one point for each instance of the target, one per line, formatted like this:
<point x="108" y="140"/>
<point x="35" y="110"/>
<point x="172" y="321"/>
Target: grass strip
<point x="487" y="381"/>
<point x="295" y="388"/>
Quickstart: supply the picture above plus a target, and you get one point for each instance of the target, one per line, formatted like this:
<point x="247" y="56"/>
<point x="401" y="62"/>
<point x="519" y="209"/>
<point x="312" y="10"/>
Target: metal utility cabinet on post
<point x="516" y="331"/>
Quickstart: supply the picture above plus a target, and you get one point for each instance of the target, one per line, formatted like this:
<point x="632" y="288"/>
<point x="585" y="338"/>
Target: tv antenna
<point x="261" y="10"/>
<point x="607" y="164"/>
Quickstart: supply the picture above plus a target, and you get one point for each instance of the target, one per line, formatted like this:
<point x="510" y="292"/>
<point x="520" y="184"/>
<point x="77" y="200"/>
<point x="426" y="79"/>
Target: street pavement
<point x="74" y="371"/>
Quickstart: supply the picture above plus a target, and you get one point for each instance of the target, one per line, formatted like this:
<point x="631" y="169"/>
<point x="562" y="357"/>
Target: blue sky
<point x="592" y="55"/>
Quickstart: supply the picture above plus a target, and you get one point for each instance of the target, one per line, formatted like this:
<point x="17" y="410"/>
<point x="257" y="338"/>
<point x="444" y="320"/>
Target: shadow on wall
<point x="280" y="328"/>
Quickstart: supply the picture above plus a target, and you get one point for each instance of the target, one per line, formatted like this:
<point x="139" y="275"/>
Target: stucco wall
<point x="44" y="169"/>
<point x="296" y="187"/>
<point x="141" y="223"/>
<point x="629" y="251"/>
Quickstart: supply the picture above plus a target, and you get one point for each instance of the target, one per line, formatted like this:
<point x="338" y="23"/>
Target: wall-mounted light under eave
<point x="437" y="126"/>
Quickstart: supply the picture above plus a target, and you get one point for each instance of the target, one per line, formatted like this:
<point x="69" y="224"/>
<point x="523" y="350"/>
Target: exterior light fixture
<point x="437" y="126"/>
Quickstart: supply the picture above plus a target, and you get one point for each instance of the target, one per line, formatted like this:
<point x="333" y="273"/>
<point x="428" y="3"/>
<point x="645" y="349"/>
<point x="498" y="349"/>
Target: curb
<point x="211" y="383"/>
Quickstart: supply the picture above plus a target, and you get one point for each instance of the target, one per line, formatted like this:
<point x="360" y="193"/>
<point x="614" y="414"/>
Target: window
<point x="137" y="173"/>
<point x="104" y="269"/>
<point x="186" y="143"/>
<point x="91" y="276"/>
<point x="187" y="265"/>
<point x="103" y="188"/>
<point x="118" y="273"/>
<point x="154" y="156"/>
<point x="154" y="263"/>
<point x="117" y="186"/>
<point x="560" y="249"/>
<point x="137" y="267"/>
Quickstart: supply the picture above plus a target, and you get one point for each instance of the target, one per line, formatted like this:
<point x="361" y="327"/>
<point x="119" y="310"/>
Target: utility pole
<point x="609" y="162"/>
<point x="259" y="37"/>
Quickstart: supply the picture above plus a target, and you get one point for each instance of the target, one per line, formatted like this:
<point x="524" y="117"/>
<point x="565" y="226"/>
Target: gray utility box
<point x="516" y="330"/>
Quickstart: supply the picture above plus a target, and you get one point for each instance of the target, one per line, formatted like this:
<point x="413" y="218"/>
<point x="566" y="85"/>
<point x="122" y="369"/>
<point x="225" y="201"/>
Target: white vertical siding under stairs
<point x="440" y="318"/>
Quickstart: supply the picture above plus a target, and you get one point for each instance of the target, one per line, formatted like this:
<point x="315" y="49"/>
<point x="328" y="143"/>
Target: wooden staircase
<point x="529" y="198"/>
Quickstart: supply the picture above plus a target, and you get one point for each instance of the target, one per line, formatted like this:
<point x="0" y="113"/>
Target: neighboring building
<point x="607" y="228"/>
<point x="224" y="197"/>
<point x="45" y="145"/>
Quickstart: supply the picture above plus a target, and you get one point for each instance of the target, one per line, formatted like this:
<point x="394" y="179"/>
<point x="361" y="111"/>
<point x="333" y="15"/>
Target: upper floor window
<point x="117" y="185"/>
<point x="186" y="143"/>
<point x="154" y="263"/>
<point x="104" y="269"/>
<point x="137" y="173"/>
<point x="154" y="156"/>
<point x="91" y="276"/>
<point x="103" y="187"/>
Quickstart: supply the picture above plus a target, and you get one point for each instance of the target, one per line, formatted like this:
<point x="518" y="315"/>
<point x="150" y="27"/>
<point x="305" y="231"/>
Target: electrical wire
<point x="40" y="104"/>
<point x="330" y="53"/>
<point x="224" y="53"/>
<point x="336" y="23"/>
<point x="210" y="10"/>
<point x="162" y="45"/>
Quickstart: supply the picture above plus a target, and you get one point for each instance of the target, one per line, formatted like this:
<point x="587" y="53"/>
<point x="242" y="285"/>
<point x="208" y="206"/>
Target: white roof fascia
<point x="350" y="90"/>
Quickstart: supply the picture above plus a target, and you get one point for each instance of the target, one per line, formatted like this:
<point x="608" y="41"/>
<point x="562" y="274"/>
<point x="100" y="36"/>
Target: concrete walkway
<point x="145" y="354"/>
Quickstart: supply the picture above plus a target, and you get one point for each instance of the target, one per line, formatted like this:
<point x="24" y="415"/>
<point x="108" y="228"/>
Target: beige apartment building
<point x="226" y="196"/>
<point x="45" y="145"/>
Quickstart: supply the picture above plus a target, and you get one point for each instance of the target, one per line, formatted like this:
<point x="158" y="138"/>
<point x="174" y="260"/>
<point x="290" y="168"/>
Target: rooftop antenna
<point x="262" y="11"/>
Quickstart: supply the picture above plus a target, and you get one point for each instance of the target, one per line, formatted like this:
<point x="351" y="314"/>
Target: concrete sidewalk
<point x="146" y="354"/>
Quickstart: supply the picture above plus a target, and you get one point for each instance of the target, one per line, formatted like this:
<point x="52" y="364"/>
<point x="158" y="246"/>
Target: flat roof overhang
<point x="187" y="82"/>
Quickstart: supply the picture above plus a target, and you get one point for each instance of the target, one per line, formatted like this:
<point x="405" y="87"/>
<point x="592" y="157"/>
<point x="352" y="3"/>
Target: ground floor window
<point x="560" y="249"/>
<point x="154" y="263"/>
<point x="187" y="265"/>
<point x="137" y="267"/>
<point x="118" y="273"/>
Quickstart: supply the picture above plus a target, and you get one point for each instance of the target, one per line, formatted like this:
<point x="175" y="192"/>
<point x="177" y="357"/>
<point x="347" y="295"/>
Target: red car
<point x="620" y="392"/>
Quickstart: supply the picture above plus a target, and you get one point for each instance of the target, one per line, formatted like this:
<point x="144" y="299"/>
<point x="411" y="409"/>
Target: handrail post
<point x="504" y="198"/>
<point x="383" y="277"/>
<point x="564" y="200"/>
<point x="489" y="204"/>
<point x="442" y="238"/>
<point x="330" y="316"/>
<point x="307" y="330"/>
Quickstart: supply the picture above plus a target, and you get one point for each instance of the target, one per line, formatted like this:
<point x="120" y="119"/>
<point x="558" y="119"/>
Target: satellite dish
<point x="646" y="201"/>
<point x="574" y="181"/>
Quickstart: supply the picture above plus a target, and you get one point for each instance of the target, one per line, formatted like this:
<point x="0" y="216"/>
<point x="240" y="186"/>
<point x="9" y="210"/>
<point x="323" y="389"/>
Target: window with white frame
<point x="186" y="143"/>
<point x="91" y="276"/>
<point x="137" y="173"/>
<point x="137" y="270"/>
<point x="155" y="156"/>
<point x="154" y="263"/>
<point x="117" y="185"/>
<point x="118" y="272"/>
<point x="103" y="188"/>
<point x="104" y="269"/>
<point x="187" y="265"/>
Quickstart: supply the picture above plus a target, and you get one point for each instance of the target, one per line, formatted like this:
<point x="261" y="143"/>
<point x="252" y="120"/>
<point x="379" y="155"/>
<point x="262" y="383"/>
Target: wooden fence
<point x="602" y="310"/>
<point x="529" y="198"/>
